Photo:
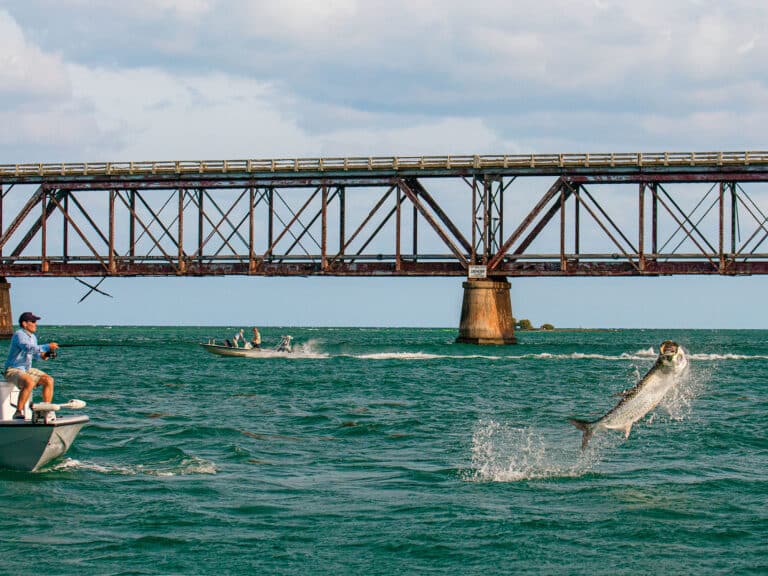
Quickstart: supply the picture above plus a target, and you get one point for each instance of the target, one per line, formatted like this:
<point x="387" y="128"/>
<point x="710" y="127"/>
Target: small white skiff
<point x="43" y="435"/>
<point x="282" y="349"/>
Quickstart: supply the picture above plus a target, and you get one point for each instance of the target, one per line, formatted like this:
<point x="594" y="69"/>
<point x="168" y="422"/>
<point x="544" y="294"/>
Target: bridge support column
<point x="486" y="313"/>
<point x="6" y="322"/>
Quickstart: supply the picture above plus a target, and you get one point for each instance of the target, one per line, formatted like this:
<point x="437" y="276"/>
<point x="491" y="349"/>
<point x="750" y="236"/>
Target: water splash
<point x="309" y="349"/>
<point x="646" y="353"/>
<point x="502" y="453"/>
<point x="678" y="403"/>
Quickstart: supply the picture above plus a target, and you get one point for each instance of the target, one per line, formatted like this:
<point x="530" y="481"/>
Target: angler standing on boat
<point x="256" y="340"/>
<point x="18" y="367"/>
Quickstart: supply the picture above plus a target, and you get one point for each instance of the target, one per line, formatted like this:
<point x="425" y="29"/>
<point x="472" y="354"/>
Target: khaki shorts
<point x="14" y="375"/>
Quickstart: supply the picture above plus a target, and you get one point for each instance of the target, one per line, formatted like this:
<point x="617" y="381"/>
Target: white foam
<point x="642" y="355"/>
<point x="400" y="356"/>
<point x="646" y="353"/>
<point x="502" y="453"/>
<point x="188" y="466"/>
<point x="715" y="357"/>
<point x="679" y="402"/>
<point x="308" y="349"/>
<point x="72" y="464"/>
<point x="540" y="356"/>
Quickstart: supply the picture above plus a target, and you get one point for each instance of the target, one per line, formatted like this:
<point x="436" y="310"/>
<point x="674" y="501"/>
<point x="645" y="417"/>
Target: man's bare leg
<point x="47" y="383"/>
<point x="25" y="391"/>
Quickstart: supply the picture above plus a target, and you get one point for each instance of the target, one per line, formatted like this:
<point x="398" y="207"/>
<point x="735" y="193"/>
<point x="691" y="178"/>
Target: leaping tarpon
<point x="636" y="402"/>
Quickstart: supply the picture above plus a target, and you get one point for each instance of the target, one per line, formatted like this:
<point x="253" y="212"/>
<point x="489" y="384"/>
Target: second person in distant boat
<point x="256" y="340"/>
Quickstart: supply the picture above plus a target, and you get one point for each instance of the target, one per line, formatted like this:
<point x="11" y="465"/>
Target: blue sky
<point x="89" y="80"/>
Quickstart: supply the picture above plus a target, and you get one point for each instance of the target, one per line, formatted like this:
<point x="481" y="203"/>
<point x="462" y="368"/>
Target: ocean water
<point x="394" y="451"/>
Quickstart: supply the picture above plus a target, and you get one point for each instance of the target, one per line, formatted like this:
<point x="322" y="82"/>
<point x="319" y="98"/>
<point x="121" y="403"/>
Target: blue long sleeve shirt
<point x="24" y="348"/>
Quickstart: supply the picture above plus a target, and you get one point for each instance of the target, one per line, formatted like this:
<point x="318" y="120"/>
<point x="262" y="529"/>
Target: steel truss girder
<point x="298" y="235"/>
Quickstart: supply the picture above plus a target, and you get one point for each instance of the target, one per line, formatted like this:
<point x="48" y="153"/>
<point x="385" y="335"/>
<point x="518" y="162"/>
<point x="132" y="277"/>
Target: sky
<point x="93" y="80"/>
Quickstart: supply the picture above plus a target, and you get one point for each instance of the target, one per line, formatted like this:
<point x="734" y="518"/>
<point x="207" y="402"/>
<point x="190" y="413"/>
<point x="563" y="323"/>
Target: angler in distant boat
<point x="252" y="349"/>
<point x="256" y="340"/>
<point x="636" y="402"/>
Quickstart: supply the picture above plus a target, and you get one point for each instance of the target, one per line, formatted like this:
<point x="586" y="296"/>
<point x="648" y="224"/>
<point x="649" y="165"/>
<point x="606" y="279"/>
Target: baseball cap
<point x="28" y="317"/>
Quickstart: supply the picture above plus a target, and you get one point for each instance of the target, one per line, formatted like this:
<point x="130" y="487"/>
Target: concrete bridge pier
<point x="6" y="321"/>
<point x="486" y="312"/>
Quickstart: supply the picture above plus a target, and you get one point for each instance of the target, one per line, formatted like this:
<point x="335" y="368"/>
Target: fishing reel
<point x="50" y="355"/>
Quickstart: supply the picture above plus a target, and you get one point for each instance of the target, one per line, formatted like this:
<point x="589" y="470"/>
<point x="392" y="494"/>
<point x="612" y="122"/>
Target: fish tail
<point x="585" y="426"/>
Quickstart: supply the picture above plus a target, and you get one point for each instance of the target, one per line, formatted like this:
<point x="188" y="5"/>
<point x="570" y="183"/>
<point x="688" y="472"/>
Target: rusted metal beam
<point x="19" y="219"/>
<point x="55" y="203"/>
<point x="404" y="185"/>
<point x="553" y="192"/>
<point x="365" y="221"/>
<point x="573" y="267"/>
<point x="223" y="218"/>
<point x="419" y="191"/>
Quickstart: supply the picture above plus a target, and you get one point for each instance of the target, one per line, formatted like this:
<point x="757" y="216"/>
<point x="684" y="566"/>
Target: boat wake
<point x="400" y="356"/>
<point x="639" y="355"/>
<point x="184" y="467"/>
<point x="308" y="349"/>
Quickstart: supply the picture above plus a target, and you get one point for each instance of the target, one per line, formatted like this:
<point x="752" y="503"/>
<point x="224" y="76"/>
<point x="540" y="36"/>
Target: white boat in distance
<point x="282" y="349"/>
<point x="42" y="436"/>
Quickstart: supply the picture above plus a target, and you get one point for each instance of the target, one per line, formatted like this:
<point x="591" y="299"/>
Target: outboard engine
<point x="285" y="344"/>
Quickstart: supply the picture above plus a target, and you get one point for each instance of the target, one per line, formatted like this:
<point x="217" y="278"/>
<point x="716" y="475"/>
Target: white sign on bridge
<point x="477" y="271"/>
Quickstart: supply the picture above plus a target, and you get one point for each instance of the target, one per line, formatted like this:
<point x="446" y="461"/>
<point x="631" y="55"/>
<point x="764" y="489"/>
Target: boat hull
<point x="27" y="446"/>
<point x="243" y="352"/>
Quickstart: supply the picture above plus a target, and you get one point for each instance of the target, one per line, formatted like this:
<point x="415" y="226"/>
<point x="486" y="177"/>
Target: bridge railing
<point x="385" y="163"/>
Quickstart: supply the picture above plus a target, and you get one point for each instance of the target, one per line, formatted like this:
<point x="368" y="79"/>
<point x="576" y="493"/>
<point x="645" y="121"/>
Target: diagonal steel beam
<point x="389" y="215"/>
<point x="311" y="223"/>
<point x="296" y="216"/>
<point x="20" y="217"/>
<point x="88" y="218"/>
<point x="586" y="206"/>
<point x="553" y="192"/>
<point x="157" y="244"/>
<point x="215" y="227"/>
<point x="56" y="202"/>
<point x="687" y="232"/>
<point x="365" y="221"/>
<point x="408" y="191"/>
<point x="687" y="219"/>
<point x="296" y="239"/>
<point x="422" y="192"/>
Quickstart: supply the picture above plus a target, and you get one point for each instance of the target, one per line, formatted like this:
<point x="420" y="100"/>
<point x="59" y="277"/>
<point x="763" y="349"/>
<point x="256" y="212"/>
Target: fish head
<point x="672" y="355"/>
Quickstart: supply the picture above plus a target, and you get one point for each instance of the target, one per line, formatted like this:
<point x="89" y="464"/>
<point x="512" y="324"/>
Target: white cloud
<point x="155" y="115"/>
<point x="145" y="9"/>
<point x="306" y="21"/>
<point x="183" y="8"/>
<point x="405" y="77"/>
<point x="24" y="68"/>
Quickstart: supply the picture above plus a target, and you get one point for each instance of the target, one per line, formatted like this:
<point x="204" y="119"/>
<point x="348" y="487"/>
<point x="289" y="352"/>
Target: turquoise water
<point x="383" y="451"/>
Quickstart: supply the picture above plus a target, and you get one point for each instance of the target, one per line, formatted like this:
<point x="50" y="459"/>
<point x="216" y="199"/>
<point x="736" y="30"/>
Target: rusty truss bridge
<point x="496" y="216"/>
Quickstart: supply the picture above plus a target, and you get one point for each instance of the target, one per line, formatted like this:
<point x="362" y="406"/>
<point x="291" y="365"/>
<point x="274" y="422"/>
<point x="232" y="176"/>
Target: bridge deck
<point x="507" y="164"/>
